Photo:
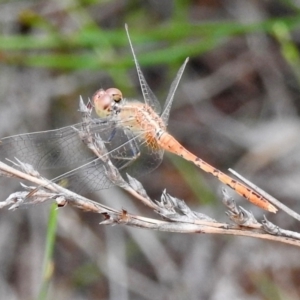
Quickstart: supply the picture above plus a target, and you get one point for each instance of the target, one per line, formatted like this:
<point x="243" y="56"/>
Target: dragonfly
<point x="135" y="136"/>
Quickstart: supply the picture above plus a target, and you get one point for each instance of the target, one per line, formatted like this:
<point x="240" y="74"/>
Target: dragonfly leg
<point x="129" y="158"/>
<point x="111" y="136"/>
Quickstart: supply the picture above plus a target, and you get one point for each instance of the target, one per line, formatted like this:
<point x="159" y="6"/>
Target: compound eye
<point x="102" y="102"/>
<point x="115" y="94"/>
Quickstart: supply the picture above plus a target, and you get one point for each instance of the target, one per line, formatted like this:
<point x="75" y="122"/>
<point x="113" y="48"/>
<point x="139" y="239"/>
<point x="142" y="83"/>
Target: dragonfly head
<point x="106" y="101"/>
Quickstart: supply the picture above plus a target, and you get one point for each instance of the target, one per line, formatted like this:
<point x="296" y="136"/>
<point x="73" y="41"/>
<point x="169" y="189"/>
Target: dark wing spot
<point x="215" y="172"/>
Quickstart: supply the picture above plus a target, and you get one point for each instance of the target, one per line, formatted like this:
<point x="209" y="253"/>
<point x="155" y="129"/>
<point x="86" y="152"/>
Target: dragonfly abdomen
<point x="169" y="143"/>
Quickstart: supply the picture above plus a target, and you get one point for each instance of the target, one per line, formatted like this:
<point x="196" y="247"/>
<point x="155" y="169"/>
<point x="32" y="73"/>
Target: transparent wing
<point x="87" y="178"/>
<point x="149" y="97"/>
<point x="45" y="149"/>
<point x="167" y="107"/>
<point x="133" y="157"/>
<point x="146" y="158"/>
<point x="51" y="149"/>
<point x="64" y="148"/>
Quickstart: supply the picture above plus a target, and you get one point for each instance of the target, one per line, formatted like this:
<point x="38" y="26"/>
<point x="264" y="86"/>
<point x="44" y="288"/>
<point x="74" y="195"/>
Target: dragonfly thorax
<point x="140" y="119"/>
<point x="131" y="115"/>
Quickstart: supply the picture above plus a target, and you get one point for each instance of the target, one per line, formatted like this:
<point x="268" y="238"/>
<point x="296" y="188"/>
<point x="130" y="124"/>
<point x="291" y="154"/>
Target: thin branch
<point x="179" y="217"/>
<point x="273" y="200"/>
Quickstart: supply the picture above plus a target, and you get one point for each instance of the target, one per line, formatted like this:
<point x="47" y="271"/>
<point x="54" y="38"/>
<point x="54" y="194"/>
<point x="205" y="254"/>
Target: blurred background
<point x="237" y="107"/>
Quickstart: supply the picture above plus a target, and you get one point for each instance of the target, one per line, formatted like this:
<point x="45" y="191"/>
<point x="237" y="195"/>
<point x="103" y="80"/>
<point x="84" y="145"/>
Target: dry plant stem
<point x="136" y="221"/>
<point x="76" y="200"/>
<point x="97" y="146"/>
<point x="115" y="176"/>
<point x="266" y="195"/>
<point x="113" y="216"/>
<point x="135" y="194"/>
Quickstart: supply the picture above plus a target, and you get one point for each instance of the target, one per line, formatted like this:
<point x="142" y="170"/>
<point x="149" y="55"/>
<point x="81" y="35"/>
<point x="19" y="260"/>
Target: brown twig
<point x="178" y="217"/>
<point x="267" y="196"/>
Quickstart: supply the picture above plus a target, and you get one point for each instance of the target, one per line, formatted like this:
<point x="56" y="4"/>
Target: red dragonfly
<point x="134" y="134"/>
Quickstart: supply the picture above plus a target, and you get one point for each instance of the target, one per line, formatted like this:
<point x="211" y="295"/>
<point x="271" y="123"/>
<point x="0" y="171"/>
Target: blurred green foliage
<point x="94" y="48"/>
<point x="48" y="265"/>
